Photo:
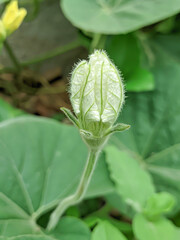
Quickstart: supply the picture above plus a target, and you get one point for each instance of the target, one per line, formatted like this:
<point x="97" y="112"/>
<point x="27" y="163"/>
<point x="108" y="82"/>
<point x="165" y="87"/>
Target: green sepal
<point x="86" y="134"/>
<point x="93" y="142"/>
<point x="120" y="127"/>
<point x="71" y="116"/>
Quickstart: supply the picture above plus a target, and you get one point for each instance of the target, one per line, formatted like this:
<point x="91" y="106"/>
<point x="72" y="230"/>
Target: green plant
<point x="25" y="204"/>
<point x="132" y="191"/>
<point x="97" y="96"/>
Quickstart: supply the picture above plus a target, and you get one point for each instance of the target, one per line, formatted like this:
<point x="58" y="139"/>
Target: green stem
<point x="12" y="56"/>
<point x="7" y="70"/>
<point x="80" y="192"/>
<point x="35" y="11"/>
<point x="53" y="53"/>
<point x="48" y="55"/>
<point x="98" y="42"/>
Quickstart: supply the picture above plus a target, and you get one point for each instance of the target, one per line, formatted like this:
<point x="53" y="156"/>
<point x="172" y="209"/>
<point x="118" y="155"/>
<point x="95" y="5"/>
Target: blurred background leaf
<point x="154" y="117"/>
<point x="104" y="230"/>
<point x="161" y="229"/>
<point x="127" y="54"/>
<point x="132" y="183"/>
<point x="117" y="16"/>
<point x="7" y="111"/>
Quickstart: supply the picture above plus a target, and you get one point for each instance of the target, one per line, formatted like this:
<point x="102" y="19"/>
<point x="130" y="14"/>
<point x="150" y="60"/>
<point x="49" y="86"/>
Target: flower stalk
<point x="12" y="56"/>
<point x="80" y="192"/>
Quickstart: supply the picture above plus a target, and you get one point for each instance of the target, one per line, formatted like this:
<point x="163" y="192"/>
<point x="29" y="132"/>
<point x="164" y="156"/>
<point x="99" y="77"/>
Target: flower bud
<point x="97" y="93"/>
<point x="13" y="17"/>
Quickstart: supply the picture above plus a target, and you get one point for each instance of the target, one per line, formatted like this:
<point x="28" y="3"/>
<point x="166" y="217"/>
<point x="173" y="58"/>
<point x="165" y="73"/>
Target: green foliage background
<point x="138" y="173"/>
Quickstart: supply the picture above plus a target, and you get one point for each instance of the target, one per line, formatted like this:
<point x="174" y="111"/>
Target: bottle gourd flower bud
<point x="13" y="17"/>
<point x="97" y="96"/>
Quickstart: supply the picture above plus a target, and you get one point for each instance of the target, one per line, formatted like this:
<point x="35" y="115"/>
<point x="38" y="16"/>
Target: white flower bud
<point x="97" y="93"/>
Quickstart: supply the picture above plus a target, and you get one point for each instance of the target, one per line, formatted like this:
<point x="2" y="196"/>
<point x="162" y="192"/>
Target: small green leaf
<point x="105" y="231"/>
<point x="158" y="204"/>
<point x="161" y="229"/>
<point x="133" y="184"/>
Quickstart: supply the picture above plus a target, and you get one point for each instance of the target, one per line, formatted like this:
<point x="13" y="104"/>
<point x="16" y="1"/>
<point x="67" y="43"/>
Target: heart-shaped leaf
<point x="41" y="162"/>
<point x="117" y="16"/>
<point x="67" y="228"/>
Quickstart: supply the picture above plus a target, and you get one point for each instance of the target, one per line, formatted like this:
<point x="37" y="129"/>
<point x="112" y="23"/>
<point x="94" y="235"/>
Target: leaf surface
<point x="41" y="161"/>
<point x="132" y="183"/>
<point x="147" y="230"/>
<point x="117" y="16"/>
<point x="154" y="136"/>
<point x="68" y="228"/>
<point x="105" y="230"/>
<point x="7" y="111"/>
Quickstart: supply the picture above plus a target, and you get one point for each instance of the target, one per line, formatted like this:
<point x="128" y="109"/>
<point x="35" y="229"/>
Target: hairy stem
<point x="80" y="192"/>
<point x="12" y="56"/>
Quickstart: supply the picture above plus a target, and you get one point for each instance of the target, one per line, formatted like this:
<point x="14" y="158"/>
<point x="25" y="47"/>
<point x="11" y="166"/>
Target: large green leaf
<point x="125" y="52"/>
<point x="105" y="231"/>
<point x="161" y="229"/>
<point x="132" y="182"/>
<point x="41" y="162"/>
<point x="67" y="229"/>
<point x="7" y="111"/>
<point x="154" y="137"/>
<point x="70" y="228"/>
<point x="117" y="16"/>
<point x="140" y="80"/>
